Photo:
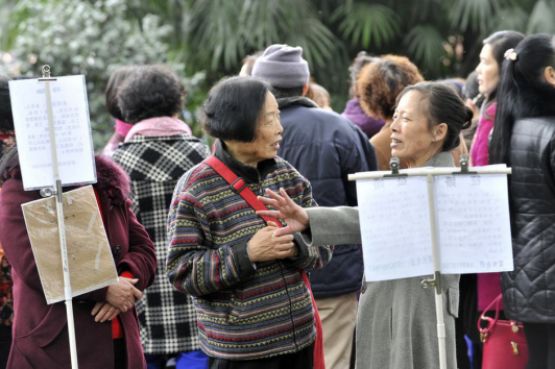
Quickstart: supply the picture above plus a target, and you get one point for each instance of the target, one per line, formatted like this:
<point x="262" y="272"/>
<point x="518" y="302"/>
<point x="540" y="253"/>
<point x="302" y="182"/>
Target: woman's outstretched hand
<point x="294" y="215"/>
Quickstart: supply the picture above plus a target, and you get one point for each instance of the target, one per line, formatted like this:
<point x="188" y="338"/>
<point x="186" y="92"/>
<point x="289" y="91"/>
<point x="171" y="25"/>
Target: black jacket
<point x="529" y="290"/>
<point x="325" y="148"/>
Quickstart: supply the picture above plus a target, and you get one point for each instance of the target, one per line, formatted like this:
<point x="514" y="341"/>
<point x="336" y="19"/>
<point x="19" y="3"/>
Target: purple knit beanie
<point x="282" y="66"/>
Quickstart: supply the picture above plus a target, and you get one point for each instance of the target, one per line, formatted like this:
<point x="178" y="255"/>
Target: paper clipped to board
<point x="472" y="224"/>
<point x="72" y="129"/>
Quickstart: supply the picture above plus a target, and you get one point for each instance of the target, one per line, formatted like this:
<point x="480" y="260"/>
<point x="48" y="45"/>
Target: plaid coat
<point x="167" y="317"/>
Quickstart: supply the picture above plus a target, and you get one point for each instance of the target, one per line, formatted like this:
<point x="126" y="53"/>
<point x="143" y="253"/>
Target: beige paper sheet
<point x="90" y="260"/>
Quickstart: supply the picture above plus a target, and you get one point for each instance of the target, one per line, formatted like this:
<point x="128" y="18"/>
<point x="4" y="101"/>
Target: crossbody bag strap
<point x="240" y="186"/>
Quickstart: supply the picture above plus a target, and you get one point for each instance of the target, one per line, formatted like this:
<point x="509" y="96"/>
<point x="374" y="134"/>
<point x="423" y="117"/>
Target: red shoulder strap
<point x="240" y="186"/>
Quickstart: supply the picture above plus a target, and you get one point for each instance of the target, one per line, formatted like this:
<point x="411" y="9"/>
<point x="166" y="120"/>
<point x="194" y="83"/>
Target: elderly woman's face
<point x="487" y="71"/>
<point x="412" y="140"/>
<point x="267" y="135"/>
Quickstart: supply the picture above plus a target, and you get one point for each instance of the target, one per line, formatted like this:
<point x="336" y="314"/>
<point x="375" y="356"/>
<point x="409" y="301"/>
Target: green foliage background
<point x="205" y="40"/>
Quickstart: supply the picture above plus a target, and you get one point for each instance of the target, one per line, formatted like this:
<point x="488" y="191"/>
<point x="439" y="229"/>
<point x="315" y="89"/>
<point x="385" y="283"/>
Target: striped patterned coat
<point x="154" y="164"/>
<point x="245" y="311"/>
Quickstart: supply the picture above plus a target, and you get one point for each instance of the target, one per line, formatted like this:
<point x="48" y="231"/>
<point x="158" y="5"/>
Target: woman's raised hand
<point x="294" y="215"/>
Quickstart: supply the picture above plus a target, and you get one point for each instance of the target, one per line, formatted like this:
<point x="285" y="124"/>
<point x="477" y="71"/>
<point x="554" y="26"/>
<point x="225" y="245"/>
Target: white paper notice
<point x="72" y="130"/>
<point x="395" y="227"/>
<point x="473" y="223"/>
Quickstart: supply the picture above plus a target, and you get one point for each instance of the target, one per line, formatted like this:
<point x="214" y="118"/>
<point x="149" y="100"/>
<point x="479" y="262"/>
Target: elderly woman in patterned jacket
<point x="155" y="153"/>
<point x="254" y="308"/>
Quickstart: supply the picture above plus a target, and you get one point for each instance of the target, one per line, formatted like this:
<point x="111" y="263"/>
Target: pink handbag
<point x="504" y="341"/>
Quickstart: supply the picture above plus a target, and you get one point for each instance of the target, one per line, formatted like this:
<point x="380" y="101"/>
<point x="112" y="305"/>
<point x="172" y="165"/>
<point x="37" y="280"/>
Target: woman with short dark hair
<point x="155" y="153"/>
<point x="165" y="96"/>
<point x="524" y="138"/>
<point x="232" y="109"/>
<point x="255" y="310"/>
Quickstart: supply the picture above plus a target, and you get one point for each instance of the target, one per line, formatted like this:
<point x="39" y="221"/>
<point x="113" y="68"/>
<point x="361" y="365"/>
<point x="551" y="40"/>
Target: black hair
<point x="150" y="91"/>
<point x="233" y="107"/>
<point x="471" y="89"/>
<point x="284" y="92"/>
<point x="111" y="91"/>
<point x="500" y="42"/>
<point x="523" y="91"/>
<point x="6" y="118"/>
<point x="443" y="106"/>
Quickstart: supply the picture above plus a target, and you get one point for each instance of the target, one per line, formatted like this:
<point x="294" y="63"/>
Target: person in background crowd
<point x="324" y="147"/>
<point x="248" y="63"/>
<point x="473" y="99"/>
<point x="368" y="124"/>
<point x="524" y="138"/>
<point x="457" y="85"/>
<point x="155" y="153"/>
<point x="105" y="319"/>
<point x="255" y="310"/>
<point x="488" y="74"/>
<point x="319" y="95"/>
<point x="379" y="83"/>
<point x="396" y="318"/>
<point x="110" y="94"/>
<point x="6" y="299"/>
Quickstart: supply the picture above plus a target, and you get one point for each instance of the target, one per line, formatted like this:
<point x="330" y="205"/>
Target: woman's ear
<point x="549" y="74"/>
<point x="439" y="131"/>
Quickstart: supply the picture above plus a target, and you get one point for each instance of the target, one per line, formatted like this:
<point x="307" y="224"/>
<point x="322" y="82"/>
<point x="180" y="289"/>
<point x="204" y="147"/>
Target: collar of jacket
<point x="285" y="102"/>
<point x="442" y="159"/>
<point x="249" y="174"/>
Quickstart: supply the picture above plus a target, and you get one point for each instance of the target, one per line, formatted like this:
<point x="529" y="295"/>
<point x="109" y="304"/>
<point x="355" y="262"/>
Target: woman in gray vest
<point x="396" y="319"/>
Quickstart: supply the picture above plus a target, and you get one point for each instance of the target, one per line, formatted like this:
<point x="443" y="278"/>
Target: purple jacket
<point x="370" y="126"/>
<point x="40" y="338"/>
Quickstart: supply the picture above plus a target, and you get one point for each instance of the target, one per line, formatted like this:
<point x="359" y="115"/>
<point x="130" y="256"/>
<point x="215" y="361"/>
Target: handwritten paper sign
<point x="472" y="221"/>
<point x="90" y="261"/>
<point x="71" y="125"/>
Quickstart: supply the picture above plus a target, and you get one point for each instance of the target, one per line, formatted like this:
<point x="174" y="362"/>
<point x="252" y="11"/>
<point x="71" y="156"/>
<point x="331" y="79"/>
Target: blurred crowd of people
<point x="212" y="274"/>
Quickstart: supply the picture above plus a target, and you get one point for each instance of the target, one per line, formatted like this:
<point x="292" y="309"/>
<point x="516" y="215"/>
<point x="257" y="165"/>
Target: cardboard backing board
<point x="90" y="260"/>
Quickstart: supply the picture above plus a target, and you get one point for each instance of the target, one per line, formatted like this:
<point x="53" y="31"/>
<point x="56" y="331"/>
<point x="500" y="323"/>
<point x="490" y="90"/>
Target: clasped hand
<point x="265" y="245"/>
<point x="120" y="297"/>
